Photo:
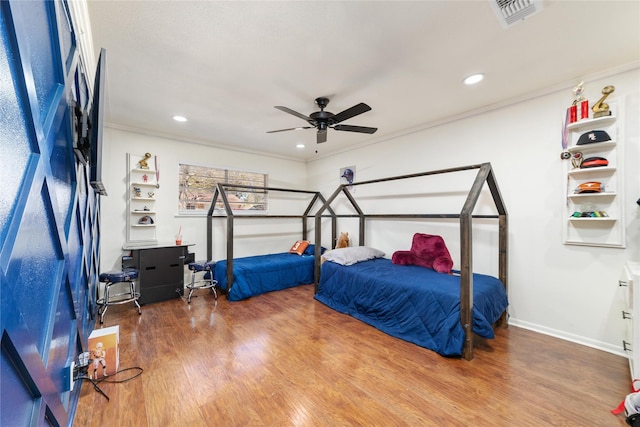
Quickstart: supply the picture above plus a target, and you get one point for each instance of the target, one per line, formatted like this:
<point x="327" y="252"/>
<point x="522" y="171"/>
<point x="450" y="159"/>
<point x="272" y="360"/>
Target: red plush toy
<point x="426" y="251"/>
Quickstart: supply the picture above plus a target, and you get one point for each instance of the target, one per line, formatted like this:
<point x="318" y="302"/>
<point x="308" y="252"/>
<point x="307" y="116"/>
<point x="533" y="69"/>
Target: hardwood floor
<point x="284" y="359"/>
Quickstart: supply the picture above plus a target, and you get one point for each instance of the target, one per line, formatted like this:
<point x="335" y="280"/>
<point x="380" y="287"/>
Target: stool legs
<point x="106" y="302"/>
<point x="135" y="297"/>
<point x="206" y="284"/>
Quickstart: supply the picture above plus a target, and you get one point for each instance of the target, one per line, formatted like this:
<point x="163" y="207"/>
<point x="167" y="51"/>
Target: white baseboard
<point x="600" y="345"/>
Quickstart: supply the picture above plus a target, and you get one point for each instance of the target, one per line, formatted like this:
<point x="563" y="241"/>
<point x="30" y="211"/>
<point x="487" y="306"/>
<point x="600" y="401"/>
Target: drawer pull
<point x="626" y="345"/>
<point x="626" y="315"/>
<point x="623" y="283"/>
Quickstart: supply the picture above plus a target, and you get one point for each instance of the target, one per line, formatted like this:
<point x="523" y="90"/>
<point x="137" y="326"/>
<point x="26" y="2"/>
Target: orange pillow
<point x="298" y="247"/>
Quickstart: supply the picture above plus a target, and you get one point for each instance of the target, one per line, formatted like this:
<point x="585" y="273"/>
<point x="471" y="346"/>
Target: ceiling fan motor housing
<point x="321" y="118"/>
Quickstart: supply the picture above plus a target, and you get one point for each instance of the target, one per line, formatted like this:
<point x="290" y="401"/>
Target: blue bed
<point x="256" y="275"/>
<point x="413" y="303"/>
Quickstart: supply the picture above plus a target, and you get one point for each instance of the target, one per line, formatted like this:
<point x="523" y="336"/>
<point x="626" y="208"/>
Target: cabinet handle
<point x="626" y="345"/>
<point x="626" y="315"/>
<point x="623" y="283"/>
<point x="182" y="257"/>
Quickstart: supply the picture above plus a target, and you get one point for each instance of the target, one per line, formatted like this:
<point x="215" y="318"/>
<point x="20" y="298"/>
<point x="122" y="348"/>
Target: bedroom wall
<point x="171" y="152"/>
<point x="566" y="291"/>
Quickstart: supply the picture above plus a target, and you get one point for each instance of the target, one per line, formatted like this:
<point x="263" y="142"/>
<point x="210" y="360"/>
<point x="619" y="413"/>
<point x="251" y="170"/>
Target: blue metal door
<point x="49" y="215"/>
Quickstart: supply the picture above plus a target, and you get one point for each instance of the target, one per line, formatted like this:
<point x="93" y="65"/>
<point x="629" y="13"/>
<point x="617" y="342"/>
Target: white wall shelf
<point x="589" y="148"/>
<point x="605" y="231"/>
<point x="601" y="219"/>
<point x="590" y="124"/>
<point x="143" y="182"/>
<point x="593" y="171"/>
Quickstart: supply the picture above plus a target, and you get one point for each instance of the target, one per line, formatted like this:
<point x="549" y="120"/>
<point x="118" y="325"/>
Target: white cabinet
<point x="142" y="190"/>
<point x="629" y="282"/>
<point x="594" y="218"/>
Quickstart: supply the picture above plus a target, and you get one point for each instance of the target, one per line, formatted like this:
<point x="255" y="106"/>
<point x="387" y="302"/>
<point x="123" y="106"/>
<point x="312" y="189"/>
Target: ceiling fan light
<point x="300" y="146"/>
<point x="473" y="79"/>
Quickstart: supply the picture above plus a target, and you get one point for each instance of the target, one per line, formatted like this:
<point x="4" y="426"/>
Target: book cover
<point x="104" y="353"/>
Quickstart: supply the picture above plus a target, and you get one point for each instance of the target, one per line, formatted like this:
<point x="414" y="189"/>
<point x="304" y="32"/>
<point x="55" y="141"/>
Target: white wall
<point x="171" y="152"/>
<point x="567" y="291"/>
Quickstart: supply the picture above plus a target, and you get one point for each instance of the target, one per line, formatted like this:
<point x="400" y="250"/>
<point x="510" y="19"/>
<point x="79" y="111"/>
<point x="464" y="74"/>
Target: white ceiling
<point x="225" y="65"/>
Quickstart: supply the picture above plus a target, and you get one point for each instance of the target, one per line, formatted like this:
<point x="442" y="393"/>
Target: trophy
<point x="579" y="100"/>
<point x="572" y="111"/>
<point x="601" y="108"/>
<point x="143" y="164"/>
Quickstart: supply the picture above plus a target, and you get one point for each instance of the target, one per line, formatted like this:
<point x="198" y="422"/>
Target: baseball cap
<point x="589" y="187"/>
<point x="593" y="136"/>
<point x="146" y="220"/>
<point x="594" y="162"/>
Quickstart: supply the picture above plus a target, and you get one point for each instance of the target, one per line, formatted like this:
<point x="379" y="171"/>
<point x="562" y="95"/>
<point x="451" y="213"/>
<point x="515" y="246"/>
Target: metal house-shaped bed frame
<point x="484" y="175"/>
<point x="221" y="192"/>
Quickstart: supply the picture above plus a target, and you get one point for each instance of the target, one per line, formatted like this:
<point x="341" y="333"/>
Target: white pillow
<point x="352" y="255"/>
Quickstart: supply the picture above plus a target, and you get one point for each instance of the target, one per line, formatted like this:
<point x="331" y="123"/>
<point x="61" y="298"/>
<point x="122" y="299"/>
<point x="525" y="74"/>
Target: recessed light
<point x="179" y="118"/>
<point x="473" y="79"/>
<point x="300" y="146"/>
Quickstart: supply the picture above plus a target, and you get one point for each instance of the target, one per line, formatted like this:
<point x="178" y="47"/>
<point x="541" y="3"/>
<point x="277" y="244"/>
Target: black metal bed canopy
<point x="484" y="175"/>
<point x="221" y="192"/>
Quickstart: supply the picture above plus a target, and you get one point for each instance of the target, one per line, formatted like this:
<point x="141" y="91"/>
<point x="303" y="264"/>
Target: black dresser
<point x="161" y="270"/>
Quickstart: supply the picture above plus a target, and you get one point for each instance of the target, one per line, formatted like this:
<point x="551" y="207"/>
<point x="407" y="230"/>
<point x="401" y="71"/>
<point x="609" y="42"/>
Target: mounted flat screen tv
<point x="96" y="121"/>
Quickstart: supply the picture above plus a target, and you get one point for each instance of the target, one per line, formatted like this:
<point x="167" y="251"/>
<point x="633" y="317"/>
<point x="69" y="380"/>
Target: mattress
<point x="256" y="275"/>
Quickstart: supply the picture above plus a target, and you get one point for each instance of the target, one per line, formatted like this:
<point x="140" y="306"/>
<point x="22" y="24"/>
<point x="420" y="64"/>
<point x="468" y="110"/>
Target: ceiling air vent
<point x="510" y="12"/>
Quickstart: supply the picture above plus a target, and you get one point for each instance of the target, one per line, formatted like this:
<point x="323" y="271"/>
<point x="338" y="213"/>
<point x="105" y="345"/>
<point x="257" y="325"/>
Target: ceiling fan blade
<point x="322" y="136"/>
<point x="360" y="129"/>
<point x="351" y="112"/>
<point x="295" y="113"/>
<point x="284" y="130"/>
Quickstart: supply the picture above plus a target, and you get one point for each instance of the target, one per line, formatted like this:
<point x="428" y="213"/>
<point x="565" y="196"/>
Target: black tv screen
<point x="96" y="120"/>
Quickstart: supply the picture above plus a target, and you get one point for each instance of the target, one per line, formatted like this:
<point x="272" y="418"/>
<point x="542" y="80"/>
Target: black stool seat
<point x="112" y="278"/>
<point x="116" y="276"/>
<point x="202" y="265"/>
<point x="206" y="282"/>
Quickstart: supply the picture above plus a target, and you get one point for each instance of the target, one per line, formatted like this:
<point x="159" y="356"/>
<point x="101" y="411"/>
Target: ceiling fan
<point x="323" y="120"/>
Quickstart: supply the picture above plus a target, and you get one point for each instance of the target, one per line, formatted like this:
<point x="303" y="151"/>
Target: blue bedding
<point x="410" y="302"/>
<point x="256" y="275"/>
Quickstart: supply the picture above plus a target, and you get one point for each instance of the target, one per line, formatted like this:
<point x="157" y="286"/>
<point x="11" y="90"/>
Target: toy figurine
<point x="99" y="354"/>
<point x="137" y="192"/>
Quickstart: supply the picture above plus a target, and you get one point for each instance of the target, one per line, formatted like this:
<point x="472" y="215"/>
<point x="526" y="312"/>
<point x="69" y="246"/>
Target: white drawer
<point x="629" y="280"/>
<point x="626" y="283"/>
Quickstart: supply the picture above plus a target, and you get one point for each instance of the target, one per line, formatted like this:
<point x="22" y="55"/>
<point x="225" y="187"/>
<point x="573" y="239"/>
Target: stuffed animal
<point x="343" y="241"/>
<point x="426" y="251"/>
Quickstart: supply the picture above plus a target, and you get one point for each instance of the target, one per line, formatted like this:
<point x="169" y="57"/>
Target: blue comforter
<point x="409" y="302"/>
<point x="256" y="275"/>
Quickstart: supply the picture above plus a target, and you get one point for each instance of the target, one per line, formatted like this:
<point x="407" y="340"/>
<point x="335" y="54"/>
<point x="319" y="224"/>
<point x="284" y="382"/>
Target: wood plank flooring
<point x="284" y="359"/>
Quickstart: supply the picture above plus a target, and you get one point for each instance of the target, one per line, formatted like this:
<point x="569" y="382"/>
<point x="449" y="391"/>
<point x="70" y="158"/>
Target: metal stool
<point x="206" y="282"/>
<point x="114" y="277"/>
